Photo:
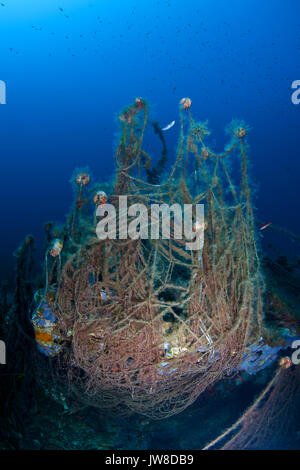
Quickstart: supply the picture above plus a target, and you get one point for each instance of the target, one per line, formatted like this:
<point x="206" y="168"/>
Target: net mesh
<point x="145" y="324"/>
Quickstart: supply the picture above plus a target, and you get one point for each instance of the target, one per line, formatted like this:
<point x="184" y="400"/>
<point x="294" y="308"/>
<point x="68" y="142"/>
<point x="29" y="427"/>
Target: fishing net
<point x="146" y="325"/>
<point x="272" y="420"/>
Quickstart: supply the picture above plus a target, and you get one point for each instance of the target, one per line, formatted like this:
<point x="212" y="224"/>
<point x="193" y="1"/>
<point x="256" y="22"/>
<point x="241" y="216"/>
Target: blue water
<point x="71" y="65"/>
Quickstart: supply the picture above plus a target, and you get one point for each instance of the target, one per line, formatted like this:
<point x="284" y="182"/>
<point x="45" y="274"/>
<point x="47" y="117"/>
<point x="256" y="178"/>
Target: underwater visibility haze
<point x="136" y="342"/>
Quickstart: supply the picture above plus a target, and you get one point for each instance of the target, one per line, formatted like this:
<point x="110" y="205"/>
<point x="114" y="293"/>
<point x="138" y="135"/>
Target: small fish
<point x="168" y="126"/>
<point x="265" y="226"/>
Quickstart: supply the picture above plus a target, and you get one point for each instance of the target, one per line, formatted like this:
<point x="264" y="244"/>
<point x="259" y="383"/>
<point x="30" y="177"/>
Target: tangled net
<point x="145" y="324"/>
<point x="272" y="419"/>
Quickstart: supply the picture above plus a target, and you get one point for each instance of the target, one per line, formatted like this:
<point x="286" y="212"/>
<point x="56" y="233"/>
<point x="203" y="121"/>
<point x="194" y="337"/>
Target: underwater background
<point x="69" y="67"/>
